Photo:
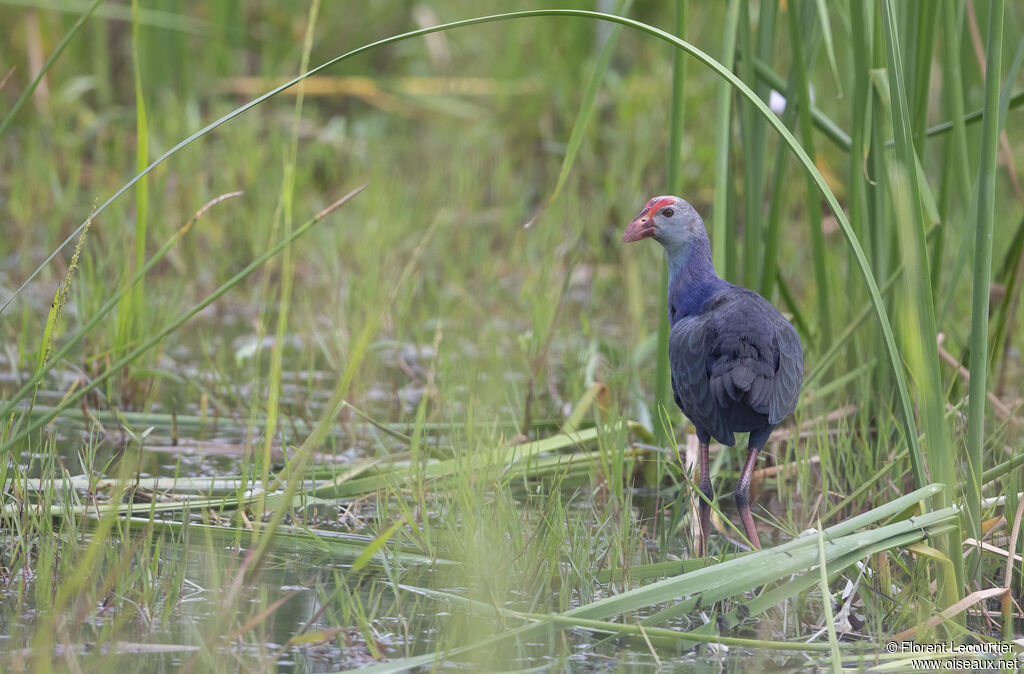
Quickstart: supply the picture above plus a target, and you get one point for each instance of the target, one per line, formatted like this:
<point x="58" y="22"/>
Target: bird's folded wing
<point x="787" y="380"/>
<point x="688" y="361"/>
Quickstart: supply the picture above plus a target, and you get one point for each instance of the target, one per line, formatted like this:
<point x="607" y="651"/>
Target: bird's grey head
<point x="670" y="221"/>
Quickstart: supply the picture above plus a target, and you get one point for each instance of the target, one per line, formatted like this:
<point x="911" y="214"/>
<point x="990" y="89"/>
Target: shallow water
<point x="350" y="619"/>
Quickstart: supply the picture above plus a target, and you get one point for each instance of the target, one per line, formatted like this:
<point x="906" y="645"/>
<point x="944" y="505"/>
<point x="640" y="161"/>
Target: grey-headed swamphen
<point x="736" y="361"/>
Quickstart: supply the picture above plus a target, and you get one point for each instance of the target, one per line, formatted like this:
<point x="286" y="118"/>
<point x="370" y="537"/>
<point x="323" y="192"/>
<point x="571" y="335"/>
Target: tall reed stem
<point x="982" y="275"/>
<point x="663" y="394"/>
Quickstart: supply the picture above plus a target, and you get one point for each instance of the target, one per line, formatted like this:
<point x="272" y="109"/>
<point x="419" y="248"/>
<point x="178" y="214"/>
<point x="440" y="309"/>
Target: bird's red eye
<point x="668" y="212"/>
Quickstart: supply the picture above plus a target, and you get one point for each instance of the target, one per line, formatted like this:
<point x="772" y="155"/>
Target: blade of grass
<point x="929" y="378"/>
<point x="510" y="457"/>
<point x="97" y="316"/>
<point x="803" y="582"/>
<point x="953" y="272"/>
<point x="833" y="132"/>
<point x="812" y="204"/>
<point x="586" y="111"/>
<point x="56" y="308"/>
<point x="121" y="12"/>
<point x="826" y="31"/>
<point x="57" y="51"/>
<point x="755" y="134"/>
<point x="920" y="73"/>
<point x="375" y="546"/>
<point x="285" y="218"/>
<point x="982" y="277"/>
<point x="721" y="227"/>
<point x="662" y="393"/>
<point x="826" y="600"/>
<point x="956" y="175"/>
<point x="155" y="338"/>
<point x="703" y="588"/>
<point x="708" y="582"/>
<point x="621" y="629"/>
<point x="921" y="352"/>
<point x="138" y="301"/>
<point x="752" y="134"/>
<point x="906" y="409"/>
<point x="1011" y="273"/>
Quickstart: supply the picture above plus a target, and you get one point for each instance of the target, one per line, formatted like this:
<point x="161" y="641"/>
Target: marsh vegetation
<point x="287" y="385"/>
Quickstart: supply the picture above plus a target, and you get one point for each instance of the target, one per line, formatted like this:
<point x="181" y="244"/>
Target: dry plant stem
<point x="1012" y="546"/>
<point x="957" y="608"/>
<point x="989" y="547"/>
<point x="783" y="468"/>
<point x="1006" y="607"/>
<point x="998" y="406"/>
<point x="211" y="203"/>
<point x="3" y="82"/>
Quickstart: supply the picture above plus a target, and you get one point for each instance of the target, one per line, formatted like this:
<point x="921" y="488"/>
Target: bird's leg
<point x="705" y="503"/>
<point x="743" y="496"/>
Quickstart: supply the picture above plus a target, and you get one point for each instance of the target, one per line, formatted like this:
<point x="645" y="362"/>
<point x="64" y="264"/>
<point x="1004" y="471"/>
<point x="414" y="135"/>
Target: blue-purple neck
<point x="692" y="278"/>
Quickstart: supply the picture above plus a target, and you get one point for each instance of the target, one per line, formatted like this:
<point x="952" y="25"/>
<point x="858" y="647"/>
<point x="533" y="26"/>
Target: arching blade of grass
<point x="717" y="68"/>
<point x="982" y="277"/>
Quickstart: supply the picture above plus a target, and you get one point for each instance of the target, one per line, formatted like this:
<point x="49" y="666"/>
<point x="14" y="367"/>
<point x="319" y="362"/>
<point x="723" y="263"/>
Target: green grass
<point x="295" y="430"/>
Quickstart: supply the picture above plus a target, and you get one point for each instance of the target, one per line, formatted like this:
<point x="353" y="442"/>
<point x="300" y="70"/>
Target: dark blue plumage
<point x="736" y="362"/>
